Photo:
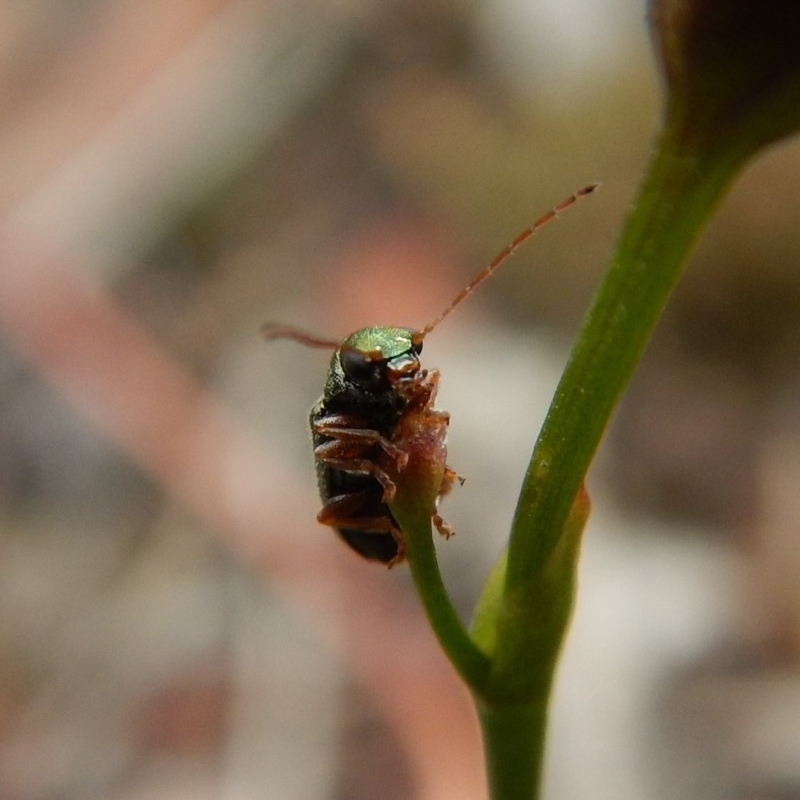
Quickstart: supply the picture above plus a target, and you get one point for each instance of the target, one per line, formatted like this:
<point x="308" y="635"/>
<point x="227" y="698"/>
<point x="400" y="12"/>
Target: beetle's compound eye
<point x="361" y="367"/>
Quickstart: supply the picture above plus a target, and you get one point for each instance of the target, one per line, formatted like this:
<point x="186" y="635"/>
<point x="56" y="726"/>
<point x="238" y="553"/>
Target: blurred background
<point x="174" y="623"/>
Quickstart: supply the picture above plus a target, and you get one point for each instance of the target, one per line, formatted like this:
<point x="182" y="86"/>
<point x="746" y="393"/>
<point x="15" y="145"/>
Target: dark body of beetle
<point x="374" y="374"/>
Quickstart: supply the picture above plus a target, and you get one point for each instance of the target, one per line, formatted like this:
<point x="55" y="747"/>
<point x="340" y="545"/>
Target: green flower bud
<point x="732" y="70"/>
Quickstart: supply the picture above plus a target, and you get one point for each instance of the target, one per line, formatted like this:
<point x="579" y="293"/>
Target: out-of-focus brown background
<point x="174" y="623"/>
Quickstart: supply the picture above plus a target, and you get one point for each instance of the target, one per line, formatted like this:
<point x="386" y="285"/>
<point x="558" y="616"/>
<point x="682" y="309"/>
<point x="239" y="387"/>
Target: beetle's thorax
<point x="386" y="393"/>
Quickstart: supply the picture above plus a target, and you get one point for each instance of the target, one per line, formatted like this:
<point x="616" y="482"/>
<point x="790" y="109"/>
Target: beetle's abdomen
<point x="374" y="546"/>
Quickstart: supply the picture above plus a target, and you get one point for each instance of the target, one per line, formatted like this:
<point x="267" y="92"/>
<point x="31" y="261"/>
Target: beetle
<point x="377" y="391"/>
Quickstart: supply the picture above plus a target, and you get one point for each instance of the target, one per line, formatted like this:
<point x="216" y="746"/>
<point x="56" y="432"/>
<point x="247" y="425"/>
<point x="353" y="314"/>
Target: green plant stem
<point x="514" y="737"/>
<point x="523" y="615"/>
<point x="524" y="628"/>
<point x="677" y="196"/>
<point x="466" y="657"/>
<point x="514" y="725"/>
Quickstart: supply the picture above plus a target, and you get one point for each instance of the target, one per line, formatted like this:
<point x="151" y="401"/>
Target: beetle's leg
<point x="432" y="387"/>
<point x="337" y="427"/>
<point x="328" y="454"/>
<point x="348" y="443"/>
<point x="443" y="527"/>
<point x="332" y="516"/>
<point x="448" y="479"/>
<point x="342" y="510"/>
<point x="420" y="392"/>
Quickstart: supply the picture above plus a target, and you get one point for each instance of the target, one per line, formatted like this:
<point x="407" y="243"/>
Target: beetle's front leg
<point x="357" y="439"/>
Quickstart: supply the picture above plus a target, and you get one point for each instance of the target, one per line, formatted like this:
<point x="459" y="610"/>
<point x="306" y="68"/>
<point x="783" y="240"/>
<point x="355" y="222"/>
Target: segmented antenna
<point x="505" y="253"/>
<point x="272" y="330"/>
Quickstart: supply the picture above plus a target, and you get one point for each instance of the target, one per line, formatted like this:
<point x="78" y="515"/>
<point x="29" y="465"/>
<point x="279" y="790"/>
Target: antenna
<point x="272" y="330"/>
<point x="505" y="253"/>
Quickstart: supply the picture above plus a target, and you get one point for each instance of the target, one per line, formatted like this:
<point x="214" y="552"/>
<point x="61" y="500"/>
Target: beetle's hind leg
<point x="347" y="511"/>
<point x="358" y="511"/>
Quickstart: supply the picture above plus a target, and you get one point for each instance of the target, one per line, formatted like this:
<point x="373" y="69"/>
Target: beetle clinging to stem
<point x="376" y="393"/>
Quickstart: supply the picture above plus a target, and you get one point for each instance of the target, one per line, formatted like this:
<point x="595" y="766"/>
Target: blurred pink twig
<point x="57" y="313"/>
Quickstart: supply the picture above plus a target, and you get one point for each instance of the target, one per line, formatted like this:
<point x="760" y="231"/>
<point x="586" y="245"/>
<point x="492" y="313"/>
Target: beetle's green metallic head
<point x="376" y="358"/>
<point x="384" y="343"/>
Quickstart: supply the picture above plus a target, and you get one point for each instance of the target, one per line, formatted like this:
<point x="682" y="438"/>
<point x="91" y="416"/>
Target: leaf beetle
<point x="376" y="383"/>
